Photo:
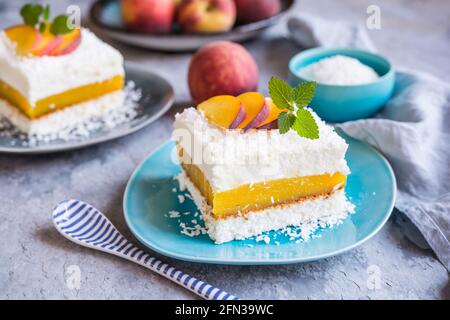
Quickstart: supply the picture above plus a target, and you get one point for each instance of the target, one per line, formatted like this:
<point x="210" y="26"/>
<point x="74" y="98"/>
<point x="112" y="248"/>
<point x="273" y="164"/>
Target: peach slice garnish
<point x="25" y="37"/>
<point x="221" y="110"/>
<point x="47" y="43"/>
<point x="253" y="102"/>
<point x="68" y="44"/>
<point x="270" y="126"/>
<point x="239" y="118"/>
<point x="273" y="113"/>
<point x="30" y="41"/>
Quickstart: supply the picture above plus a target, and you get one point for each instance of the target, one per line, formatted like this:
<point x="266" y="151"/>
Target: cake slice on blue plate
<point x="252" y="166"/>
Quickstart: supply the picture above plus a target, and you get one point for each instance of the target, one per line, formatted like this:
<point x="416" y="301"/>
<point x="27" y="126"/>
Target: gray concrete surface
<point x="35" y="259"/>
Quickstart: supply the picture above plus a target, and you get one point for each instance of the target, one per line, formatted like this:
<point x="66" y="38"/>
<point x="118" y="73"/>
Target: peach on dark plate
<point x="152" y="16"/>
<point x="221" y="68"/>
<point x="206" y="16"/>
<point x="255" y="10"/>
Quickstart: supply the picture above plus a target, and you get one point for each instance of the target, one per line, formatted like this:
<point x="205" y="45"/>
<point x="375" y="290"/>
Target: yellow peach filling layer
<point x="262" y="195"/>
<point x="60" y="100"/>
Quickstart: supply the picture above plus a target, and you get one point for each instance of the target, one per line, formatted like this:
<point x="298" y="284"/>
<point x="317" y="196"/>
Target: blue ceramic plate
<point x="150" y="195"/>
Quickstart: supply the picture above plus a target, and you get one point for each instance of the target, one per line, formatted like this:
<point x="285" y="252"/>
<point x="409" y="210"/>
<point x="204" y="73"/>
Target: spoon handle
<point x="83" y="224"/>
<point x="197" y="286"/>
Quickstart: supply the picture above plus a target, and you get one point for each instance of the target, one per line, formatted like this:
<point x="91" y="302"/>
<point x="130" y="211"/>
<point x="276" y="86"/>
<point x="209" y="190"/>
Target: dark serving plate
<point x="105" y="17"/>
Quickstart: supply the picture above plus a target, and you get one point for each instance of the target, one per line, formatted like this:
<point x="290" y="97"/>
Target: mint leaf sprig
<point x="294" y="100"/>
<point x="38" y="17"/>
<point x="60" y="25"/>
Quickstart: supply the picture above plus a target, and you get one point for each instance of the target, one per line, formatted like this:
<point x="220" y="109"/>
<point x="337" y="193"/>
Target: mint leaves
<point x="46" y="12"/>
<point x="38" y="16"/>
<point x="305" y="125"/>
<point x="281" y="93"/>
<point x="303" y="94"/>
<point x="294" y="100"/>
<point x="30" y="13"/>
<point x="60" y="25"/>
<point x="285" y="121"/>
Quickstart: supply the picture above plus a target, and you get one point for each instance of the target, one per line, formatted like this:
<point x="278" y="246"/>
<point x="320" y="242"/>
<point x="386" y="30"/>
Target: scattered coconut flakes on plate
<point x="193" y="231"/>
<point x="298" y="234"/>
<point x="173" y="214"/>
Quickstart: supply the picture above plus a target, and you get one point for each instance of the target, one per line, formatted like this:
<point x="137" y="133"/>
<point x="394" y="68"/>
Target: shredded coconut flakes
<point x="339" y="70"/>
<point x="298" y="234"/>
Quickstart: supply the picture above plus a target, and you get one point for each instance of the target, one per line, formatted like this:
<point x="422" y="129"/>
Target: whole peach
<point x="219" y="68"/>
<point x="206" y="16"/>
<point x="153" y="16"/>
<point x="255" y="10"/>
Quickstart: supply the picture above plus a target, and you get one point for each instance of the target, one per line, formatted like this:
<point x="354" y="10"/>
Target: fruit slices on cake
<point x="52" y="76"/>
<point x="252" y="167"/>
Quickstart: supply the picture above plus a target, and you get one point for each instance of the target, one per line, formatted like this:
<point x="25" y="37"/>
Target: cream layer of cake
<point x="229" y="158"/>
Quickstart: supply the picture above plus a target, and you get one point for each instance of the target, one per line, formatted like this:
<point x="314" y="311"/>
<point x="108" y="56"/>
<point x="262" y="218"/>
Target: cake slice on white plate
<point x="53" y="76"/>
<point x="248" y="175"/>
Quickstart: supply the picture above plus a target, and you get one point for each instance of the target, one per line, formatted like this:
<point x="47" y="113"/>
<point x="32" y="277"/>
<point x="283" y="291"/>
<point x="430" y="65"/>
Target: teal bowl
<point x="339" y="103"/>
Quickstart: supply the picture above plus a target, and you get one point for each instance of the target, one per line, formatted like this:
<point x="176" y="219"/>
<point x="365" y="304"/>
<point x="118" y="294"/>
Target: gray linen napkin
<point x="412" y="131"/>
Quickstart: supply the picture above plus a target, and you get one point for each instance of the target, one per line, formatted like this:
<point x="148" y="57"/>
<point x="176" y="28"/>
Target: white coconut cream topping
<point x="229" y="158"/>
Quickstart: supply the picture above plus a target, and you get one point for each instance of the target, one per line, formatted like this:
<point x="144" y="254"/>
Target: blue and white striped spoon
<point x="83" y="224"/>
